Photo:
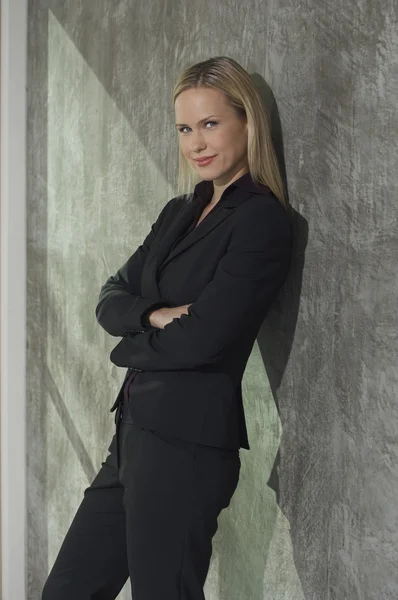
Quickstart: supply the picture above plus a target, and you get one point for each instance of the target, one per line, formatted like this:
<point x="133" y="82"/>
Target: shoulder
<point x="263" y="214"/>
<point x="171" y="207"/>
<point x="176" y="203"/>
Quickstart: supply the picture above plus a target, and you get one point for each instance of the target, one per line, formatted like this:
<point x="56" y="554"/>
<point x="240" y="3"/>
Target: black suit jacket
<point x="230" y="267"/>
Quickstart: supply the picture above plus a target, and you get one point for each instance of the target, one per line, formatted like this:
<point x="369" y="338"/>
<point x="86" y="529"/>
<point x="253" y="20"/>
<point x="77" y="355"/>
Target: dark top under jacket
<point x="229" y="268"/>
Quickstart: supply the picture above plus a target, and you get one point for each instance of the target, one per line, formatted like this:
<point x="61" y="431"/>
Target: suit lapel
<point x="212" y="220"/>
<point x="150" y="274"/>
<point x="178" y="226"/>
<point x="223" y="209"/>
<point x="163" y="254"/>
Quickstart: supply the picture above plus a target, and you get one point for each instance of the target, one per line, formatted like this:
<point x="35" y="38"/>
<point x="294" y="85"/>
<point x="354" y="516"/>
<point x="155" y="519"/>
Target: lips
<point x="205" y="161"/>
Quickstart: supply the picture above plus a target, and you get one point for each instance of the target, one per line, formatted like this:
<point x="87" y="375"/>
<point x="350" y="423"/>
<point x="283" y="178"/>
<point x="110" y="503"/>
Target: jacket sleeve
<point x="121" y="308"/>
<point x="244" y="285"/>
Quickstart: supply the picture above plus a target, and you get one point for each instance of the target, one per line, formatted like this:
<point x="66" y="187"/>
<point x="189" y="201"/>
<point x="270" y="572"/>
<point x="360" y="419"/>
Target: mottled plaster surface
<point x="315" y="514"/>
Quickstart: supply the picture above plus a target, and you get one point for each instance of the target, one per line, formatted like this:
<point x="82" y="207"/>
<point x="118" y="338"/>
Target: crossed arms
<point x="244" y="285"/>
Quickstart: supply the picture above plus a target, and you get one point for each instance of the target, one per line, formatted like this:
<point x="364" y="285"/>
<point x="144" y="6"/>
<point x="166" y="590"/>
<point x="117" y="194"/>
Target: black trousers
<point x="149" y="514"/>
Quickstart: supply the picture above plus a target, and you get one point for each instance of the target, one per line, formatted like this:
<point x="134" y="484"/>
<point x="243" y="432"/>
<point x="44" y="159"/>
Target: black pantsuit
<point x="153" y="514"/>
<point x="152" y="517"/>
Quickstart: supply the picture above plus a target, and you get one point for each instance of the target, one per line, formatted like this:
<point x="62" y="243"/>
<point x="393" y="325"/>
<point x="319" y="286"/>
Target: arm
<point x="121" y="307"/>
<point x="244" y="285"/>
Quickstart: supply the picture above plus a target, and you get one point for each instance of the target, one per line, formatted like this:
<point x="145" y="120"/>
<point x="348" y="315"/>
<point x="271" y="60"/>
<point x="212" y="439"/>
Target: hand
<point x="163" y="316"/>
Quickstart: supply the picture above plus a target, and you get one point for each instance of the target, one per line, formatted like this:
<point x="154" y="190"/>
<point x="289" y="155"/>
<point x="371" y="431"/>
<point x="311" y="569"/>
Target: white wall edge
<point x="13" y="298"/>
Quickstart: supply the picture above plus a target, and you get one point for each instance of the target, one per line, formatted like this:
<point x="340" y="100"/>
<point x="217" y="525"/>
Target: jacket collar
<point x="237" y="192"/>
<point x="204" y="189"/>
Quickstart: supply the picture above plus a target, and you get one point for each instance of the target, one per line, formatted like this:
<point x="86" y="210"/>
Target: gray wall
<point x="315" y="514"/>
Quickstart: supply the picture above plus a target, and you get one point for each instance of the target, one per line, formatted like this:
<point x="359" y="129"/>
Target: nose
<point x="197" y="142"/>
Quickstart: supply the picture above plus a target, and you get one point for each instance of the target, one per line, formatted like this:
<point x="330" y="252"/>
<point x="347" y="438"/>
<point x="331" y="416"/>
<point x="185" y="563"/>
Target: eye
<point x="181" y="129"/>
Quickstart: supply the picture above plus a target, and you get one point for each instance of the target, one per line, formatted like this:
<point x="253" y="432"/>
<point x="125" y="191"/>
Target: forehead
<point x="201" y="100"/>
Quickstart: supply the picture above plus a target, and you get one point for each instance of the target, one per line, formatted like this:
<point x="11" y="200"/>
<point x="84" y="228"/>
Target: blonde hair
<point x="225" y="74"/>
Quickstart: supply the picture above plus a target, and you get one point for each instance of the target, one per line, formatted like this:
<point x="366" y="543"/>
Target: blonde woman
<point x="187" y="305"/>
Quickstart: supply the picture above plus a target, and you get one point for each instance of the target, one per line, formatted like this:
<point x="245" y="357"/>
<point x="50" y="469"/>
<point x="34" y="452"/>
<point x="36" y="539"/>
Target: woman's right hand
<point x="163" y="316"/>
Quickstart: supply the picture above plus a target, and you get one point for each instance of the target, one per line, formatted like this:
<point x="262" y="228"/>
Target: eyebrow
<point x="198" y="123"/>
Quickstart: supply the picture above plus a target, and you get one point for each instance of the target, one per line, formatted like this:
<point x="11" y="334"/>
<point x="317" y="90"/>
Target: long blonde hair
<point x="225" y="74"/>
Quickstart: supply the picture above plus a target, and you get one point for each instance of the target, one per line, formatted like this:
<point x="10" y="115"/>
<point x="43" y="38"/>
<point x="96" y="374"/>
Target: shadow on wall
<point x="260" y="524"/>
<point x="277" y="332"/>
<point x="294" y="457"/>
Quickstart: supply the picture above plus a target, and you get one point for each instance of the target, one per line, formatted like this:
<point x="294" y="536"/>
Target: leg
<point x="216" y="478"/>
<point x="92" y="561"/>
<point x="174" y="492"/>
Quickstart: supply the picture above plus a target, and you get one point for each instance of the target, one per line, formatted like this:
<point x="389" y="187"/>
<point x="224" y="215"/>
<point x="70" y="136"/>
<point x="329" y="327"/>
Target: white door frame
<point x="13" y="298"/>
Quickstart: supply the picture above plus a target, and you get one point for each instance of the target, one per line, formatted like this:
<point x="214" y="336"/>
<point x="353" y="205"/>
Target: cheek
<point x="230" y="143"/>
<point x="237" y="145"/>
<point x="222" y="143"/>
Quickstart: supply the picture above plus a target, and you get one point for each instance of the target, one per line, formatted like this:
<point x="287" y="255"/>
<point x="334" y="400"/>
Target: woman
<point x="188" y="305"/>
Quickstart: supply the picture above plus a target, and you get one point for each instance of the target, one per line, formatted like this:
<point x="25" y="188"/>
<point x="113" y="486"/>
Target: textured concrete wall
<point x="319" y="385"/>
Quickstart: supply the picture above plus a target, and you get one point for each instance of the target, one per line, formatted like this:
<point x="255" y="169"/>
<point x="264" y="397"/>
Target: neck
<point x="218" y="188"/>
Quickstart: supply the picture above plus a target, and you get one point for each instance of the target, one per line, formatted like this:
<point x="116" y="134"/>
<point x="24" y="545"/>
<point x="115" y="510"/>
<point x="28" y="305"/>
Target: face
<point x="208" y="126"/>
